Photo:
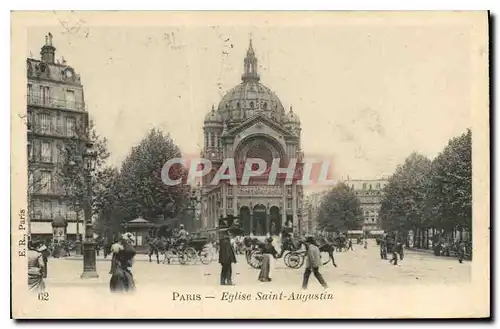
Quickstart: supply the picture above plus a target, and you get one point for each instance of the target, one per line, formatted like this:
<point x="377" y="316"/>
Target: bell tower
<point x="250" y="65"/>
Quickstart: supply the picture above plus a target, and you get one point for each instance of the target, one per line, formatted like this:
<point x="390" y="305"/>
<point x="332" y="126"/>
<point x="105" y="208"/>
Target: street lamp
<point x="194" y="201"/>
<point x="89" y="253"/>
<point x="77" y="207"/>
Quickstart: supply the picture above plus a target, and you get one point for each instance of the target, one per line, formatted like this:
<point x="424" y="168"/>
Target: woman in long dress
<point x="122" y="279"/>
<point x="36" y="267"/>
<point x="269" y="253"/>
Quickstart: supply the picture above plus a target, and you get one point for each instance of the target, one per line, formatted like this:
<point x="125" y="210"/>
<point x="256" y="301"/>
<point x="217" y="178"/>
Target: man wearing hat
<point x="313" y="262"/>
<point x="226" y="258"/>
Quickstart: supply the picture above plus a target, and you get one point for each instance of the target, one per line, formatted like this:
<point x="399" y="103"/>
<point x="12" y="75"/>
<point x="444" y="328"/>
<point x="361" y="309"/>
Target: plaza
<point x="361" y="267"/>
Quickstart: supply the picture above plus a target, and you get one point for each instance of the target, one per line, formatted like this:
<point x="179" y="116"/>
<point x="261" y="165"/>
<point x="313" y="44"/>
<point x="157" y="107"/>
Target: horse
<point x="327" y="247"/>
<point x="156" y="246"/>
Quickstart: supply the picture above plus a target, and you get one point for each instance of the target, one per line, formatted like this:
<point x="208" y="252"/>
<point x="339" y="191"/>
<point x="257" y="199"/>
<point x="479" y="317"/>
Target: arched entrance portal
<point x="259" y="220"/>
<point x="245" y="219"/>
<point x="275" y="220"/>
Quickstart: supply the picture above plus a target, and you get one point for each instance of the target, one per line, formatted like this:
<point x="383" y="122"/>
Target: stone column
<point x="235" y="200"/>
<point x="223" y="192"/>
<point x="268" y="231"/>
<point x="251" y="218"/>
<point x="283" y="204"/>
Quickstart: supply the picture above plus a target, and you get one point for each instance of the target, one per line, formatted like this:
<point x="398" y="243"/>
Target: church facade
<point x="251" y="122"/>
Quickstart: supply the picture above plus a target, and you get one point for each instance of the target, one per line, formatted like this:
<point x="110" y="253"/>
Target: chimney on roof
<point x="48" y="51"/>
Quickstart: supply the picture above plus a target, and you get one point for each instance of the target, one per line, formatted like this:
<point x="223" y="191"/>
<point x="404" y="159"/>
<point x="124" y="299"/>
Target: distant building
<point x="55" y="112"/>
<point x="370" y="194"/>
<point x="311" y="207"/>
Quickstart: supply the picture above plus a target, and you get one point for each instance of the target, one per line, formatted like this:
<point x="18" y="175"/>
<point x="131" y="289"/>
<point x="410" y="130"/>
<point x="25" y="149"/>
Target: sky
<point x="367" y="94"/>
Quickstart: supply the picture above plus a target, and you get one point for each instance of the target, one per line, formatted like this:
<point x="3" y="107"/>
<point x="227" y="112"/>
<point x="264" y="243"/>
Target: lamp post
<point x="194" y="201"/>
<point x="89" y="253"/>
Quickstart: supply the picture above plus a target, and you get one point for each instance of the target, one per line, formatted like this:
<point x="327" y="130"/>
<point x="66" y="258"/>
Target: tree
<point x="141" y="189"/>
<point x="451" y="185"/>
<point x="107" y="200"/>
<point x="405" y="204"/>
<point x="340" y="210"/>
<point x="72" y="171"/>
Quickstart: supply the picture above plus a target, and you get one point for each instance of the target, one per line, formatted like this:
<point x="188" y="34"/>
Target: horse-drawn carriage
<point x="194" y="249"/>
<point x="293" y="258"/>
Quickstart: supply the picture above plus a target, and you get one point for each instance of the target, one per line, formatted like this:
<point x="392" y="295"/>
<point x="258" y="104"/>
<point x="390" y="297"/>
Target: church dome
<point x="213" y="117"/>
<point x="291" y="117"/>
<point x="250" y="97"/>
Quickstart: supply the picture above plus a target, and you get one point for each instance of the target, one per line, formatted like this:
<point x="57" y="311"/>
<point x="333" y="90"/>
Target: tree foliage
<point x="450" y="193"/>
<point x="340" y="210"/>
<point x="138" y="190"/>
<point x="422" y="194"/>
<point x="72" y="168"/>
<point x="405" y="203"/>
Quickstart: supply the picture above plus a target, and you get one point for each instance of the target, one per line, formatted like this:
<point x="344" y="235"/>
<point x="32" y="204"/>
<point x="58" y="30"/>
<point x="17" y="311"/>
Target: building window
<point x="56" y="209"/>
<point x="37" y="209"/>
<point x="46" y="152"/>
<point x="70" y="99"/>
<point x="229" y="190"/>
<point x="364" y="186"/>
<point x="46" y="210"/>
<point x="212" y="140"/>
<point x="71" y="214"/>
<point x="70" y="127"/>
<point x="44" y="95"/>
<point x="289" y="204"/>
<point x="31" y="181"/>
<point x="370" y="186"/>
<point x="29" y="123"/>
<point x="45" y="120"/>
<point x="378" y="186"/>
<point x="46" y="181"/>
<point x="229" y="204"/>
<point x="30" y="93"/>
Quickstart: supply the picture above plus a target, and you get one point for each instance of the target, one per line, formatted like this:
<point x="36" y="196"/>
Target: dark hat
<point x="34" y="244"/>
<point x="270" y="239"/>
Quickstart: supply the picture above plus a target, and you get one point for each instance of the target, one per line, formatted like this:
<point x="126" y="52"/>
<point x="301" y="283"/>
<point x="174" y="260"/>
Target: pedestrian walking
<point x="36" y="267"/>
<point x="269" y="253"/>
<point x="122" y="279"/>
<point x="313" y="262"/>
<point x="226" y="259"/>
<point x="115" y="249"/>
<point x="350" y="245"/>
<point x="461" y="251"/>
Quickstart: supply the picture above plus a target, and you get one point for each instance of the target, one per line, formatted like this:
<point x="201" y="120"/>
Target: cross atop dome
<point x="250" y="65"/>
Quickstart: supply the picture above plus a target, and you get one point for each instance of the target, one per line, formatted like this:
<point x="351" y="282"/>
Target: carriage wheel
<point x="205" y="256"/>
<point x="294" y="260"/>
<point x="191" y="255"/>
<point x="254" y="259"/>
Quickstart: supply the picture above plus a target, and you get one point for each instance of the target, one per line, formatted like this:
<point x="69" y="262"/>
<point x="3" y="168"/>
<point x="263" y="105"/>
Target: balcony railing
<point x="55" y="103"/>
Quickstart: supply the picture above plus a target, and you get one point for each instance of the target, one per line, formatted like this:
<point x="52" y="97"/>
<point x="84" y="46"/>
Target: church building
<point x="251" y="122"/>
